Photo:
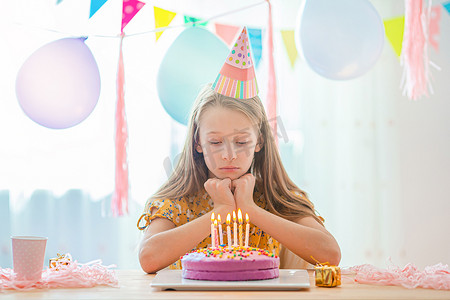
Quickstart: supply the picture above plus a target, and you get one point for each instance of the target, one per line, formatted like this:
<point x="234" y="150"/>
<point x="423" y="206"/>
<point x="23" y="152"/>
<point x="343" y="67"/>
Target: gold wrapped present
<point x="60" y="260"/>
<point x="328" y="276"/>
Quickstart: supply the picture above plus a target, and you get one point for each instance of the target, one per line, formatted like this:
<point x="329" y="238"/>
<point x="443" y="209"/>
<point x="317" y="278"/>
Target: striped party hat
<point x="237" y="76"/>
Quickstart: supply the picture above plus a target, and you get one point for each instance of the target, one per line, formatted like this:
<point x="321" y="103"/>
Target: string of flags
<point x="394" y="28"/>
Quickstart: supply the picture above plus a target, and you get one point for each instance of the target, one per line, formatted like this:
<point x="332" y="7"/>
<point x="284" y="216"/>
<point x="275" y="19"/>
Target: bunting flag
<point x="394" y="33"/>
<point x="446" y="5"/>
<point x="129" y="9"/>
<point x="95" y="6"/>
<point x="289" y="43"/>
<point x="119" y="201"/>
<point x="272" y="82"/>
<point x="162" y="19"/>
<point x="189" y="19"/>
<point x="254" y="35"/>
<point x="435" y="18"/>
<point x="227" y="33"/>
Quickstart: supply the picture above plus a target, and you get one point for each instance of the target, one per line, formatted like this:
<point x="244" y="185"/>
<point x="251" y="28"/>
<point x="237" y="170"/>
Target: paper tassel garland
<point x="119" y="202"/>
<point x="414" y="56"/>
<point x="272" y="85"/>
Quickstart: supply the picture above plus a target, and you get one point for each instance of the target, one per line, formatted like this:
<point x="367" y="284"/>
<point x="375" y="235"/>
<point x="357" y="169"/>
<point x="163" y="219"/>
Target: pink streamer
<point x="120" y="197"/>
<point x="272" y="84"/>
<point x="432" y="277"/>
<point x="72" y="275"/>
<point x="414" y="56"/>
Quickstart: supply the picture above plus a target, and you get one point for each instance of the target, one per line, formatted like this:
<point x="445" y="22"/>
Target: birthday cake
<point x="230" y="264"/>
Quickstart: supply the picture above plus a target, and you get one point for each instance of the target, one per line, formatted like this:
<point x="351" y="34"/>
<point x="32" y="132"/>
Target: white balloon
<point x="58" y="86"/>
<point x="339" y="39"/>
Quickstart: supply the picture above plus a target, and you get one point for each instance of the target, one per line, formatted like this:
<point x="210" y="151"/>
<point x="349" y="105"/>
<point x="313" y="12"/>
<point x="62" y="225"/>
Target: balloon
<point x="59" y="84"/>
<point x="340" y="39"/>
<point x="194" y="59"/>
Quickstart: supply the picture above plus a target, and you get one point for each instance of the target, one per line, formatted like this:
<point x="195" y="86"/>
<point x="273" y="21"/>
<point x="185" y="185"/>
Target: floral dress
<point x="185" y="209"/>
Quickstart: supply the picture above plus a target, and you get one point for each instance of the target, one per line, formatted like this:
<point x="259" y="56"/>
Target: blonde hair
<point x="282" y="196"/>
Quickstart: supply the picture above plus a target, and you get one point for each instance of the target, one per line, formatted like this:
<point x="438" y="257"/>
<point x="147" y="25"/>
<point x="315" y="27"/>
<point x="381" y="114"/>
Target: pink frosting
<point x="238" y="264"/>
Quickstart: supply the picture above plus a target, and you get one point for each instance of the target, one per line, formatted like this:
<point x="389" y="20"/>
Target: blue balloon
<point x="340" y="39"/>
<point x="194" y="59"/>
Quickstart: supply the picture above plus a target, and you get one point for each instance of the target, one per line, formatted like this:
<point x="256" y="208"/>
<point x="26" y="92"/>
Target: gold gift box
<point x="64" y="259"/>
<point x="328" y="276"/>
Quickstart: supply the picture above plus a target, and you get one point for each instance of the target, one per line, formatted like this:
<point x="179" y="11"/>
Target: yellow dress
<point x="184" y="209"/>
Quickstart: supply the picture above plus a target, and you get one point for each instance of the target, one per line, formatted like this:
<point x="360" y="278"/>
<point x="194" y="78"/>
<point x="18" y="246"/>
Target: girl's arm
<point x="305" y="237"/>
<point x="163" y="243"/>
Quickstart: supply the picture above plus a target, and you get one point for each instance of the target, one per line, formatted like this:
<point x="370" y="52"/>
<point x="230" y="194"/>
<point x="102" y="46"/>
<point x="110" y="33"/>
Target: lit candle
<point x="247" y="229"/>
<point x="234" y="229"/>
<point x="220" y="229"/>
<point x="216" y="236"/>
<point x="240" y="226"/>
<point x="229" y="230"/>
<point x="212" y="231"/>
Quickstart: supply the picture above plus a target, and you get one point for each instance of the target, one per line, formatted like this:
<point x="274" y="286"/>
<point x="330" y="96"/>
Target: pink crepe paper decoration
<point x="432" y="277"/>
<point x="72" y="275"/>
<point x="119" y="201"/>
<point x="414" y="56"/>
<point x="272" y="84"/>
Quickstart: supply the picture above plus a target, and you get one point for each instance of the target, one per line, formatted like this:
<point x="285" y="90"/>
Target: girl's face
<point x="228" y="141"/>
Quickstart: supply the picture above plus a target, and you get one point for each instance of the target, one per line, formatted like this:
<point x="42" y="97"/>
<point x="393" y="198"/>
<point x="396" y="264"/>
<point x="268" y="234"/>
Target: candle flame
<point x="240" y="216"/>
<point x="234" y="216"/>
<point x="212" y="218"/>
<point x="219" y="219"/>
<point x="247" y="219"/>
<point x="228" y="219"/>
<point x="215" y="223"/>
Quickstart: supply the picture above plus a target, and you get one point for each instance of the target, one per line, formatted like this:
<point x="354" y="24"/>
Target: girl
<point x="229" y="161"/>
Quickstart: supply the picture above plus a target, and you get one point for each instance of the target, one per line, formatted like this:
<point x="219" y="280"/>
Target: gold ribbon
<point x="327" y="275"/>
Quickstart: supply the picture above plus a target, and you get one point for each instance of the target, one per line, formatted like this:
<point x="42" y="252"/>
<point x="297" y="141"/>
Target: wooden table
<point x="135" y="284"/>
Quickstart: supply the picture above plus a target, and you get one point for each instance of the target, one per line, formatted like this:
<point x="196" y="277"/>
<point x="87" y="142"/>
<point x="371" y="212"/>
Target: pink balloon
<point x="58" y="86"/>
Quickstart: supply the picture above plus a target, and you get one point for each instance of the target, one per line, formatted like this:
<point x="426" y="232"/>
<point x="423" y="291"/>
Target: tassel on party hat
<point x="237" y="76"/>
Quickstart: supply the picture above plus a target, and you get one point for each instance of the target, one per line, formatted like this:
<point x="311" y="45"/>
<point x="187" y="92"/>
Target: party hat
<point x="237" y="77"/>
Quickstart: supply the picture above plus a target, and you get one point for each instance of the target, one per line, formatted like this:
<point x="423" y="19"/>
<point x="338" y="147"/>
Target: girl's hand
<point x="243" y="191"/>
<point x="221" y="195"/>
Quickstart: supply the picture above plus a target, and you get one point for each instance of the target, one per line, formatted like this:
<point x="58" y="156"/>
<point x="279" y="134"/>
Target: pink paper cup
<point x="28" y="257"/>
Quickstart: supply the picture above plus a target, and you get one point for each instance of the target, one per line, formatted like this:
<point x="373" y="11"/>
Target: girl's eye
<point x="214" y="143"/>
<point x="241" y="143"/>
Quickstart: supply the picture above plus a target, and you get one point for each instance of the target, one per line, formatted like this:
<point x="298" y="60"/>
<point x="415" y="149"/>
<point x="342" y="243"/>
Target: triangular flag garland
<point x="394" y="32"/>
<point x="446" y="5"/>
<point x="226" y="32"/>
<point x="289" y="43"/>
<point x="119" y="202"/>
<point x="254" y="35"/>
<point x="189" y="19"/>
<point x="162" y="19"/>
<point x="129" y="9"/>
<point x="435" y="18"/>
<point x="95" y="6"/>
